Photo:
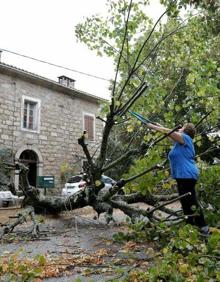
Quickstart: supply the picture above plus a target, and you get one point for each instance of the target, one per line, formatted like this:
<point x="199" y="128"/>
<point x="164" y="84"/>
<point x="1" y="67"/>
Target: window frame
<point x="36" y="116"/>
<point x="94" y="128"/>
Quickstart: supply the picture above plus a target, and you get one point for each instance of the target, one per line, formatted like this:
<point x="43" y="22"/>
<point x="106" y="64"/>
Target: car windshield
<point x="79" y="178"/>
<point x="107" y="179"/>
<point x="75" y="179"/>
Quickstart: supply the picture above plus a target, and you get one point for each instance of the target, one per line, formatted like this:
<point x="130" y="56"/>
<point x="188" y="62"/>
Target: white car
<point x="7" y="199"/>
<point x="76" y="183"/>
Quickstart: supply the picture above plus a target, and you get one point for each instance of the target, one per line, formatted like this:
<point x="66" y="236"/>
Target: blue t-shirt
<point x="182" y="161"/>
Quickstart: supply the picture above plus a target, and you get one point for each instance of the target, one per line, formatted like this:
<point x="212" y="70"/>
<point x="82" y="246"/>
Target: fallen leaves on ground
<point x="130" y="245"/>
<point x="50" y="265"/>
<point x="47" y="266"/>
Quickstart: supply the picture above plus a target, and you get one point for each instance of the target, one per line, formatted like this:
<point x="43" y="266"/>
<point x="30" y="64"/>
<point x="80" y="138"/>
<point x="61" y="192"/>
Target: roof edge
<point x="50" y="83"/>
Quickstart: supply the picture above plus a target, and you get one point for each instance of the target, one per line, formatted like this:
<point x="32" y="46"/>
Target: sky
<point x="44" y="29"/>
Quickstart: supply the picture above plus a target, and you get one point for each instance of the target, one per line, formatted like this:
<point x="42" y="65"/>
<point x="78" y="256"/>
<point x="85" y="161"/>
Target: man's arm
<point x="175" y="136"/>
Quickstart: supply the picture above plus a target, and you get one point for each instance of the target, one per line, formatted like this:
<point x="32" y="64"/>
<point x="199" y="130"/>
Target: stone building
<point x="41" y="120"/>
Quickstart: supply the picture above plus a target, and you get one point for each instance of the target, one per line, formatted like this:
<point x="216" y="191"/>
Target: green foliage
<point x="148" y="182"/>
<point x="187" y="76"/>
<point x="105" y="35"/>
<point x="209" y="192"/>
<point x="182" y="71"/>
<point x="209" y="9"/>
<point x="183" y="74"/>
<point x="135" y="232"/>
<point x="184" y="254"/>
<point x="66" y="171"/>
<point x="115" y="149"/>
<point x="15" y="269"/>
<point x="188" y="257"/>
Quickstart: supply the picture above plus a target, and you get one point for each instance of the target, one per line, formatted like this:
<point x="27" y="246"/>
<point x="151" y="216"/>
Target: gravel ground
<point x="75" y="232"/>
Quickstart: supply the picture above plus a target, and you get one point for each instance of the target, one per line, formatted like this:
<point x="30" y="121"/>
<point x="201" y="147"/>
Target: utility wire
<point x="55" y="65"/>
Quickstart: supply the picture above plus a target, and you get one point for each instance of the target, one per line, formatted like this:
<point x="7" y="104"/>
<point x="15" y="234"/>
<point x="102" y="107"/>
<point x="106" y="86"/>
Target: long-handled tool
<point x="141" y="118"/>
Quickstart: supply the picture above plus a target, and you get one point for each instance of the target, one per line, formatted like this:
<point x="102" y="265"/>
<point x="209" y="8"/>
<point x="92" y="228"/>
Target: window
<point x="75" y="179"/>
<point x="30" y="113"/>
<point x="89" y="126"/>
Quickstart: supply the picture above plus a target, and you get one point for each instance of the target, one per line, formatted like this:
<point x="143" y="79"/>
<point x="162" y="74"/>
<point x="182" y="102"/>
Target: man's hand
<point x="158" y="124"/>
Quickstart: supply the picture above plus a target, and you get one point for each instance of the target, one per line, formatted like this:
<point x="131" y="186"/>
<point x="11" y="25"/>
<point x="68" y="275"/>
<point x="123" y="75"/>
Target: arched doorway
<point x="30" y="159"/>
<point x="31" y="156"/>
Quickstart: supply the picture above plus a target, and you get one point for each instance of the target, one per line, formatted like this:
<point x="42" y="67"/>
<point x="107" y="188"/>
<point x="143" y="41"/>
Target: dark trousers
<point x="190" y="203"/>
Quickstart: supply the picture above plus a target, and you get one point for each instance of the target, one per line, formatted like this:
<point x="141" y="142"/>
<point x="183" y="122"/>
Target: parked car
<point x="73" y="185"/>
<point x="7" y="199"/>
<point x="76" y="183"/>
<point x="109" y="182"/>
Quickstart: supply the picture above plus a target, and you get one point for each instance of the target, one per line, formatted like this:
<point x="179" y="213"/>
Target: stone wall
<point x="61" y="124"/>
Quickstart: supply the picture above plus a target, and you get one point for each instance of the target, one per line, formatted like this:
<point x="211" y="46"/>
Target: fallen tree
<point x="126" y="93"/>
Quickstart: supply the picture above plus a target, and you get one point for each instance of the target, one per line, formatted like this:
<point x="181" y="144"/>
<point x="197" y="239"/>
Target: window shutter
<point x="89" y="126"/>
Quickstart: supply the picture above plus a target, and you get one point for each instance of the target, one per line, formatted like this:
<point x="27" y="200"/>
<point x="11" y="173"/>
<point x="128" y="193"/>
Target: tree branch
<point x="81" y="142"/>
<point x="122" y="48"/>
<point x="156" y="46"/>
<point x="139" y="91"/>
<point x="169" y="202"/>
<point x="139" y="53"/>
<point x="112" y="191"/>
<point x="122" y="158"/>
<point x="201" y="120"/>
<point x="108" y="126"/>
<point x="132" y="212"/>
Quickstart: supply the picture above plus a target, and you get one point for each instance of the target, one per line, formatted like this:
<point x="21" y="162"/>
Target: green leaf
<point x="41" y="260"/>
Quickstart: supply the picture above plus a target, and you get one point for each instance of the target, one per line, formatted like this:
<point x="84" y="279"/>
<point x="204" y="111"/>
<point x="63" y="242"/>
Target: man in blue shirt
<point x="185" y="171"/>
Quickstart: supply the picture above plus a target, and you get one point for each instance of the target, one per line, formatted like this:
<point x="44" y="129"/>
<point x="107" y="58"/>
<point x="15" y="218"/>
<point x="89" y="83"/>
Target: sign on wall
<point x="45" y="181"/>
